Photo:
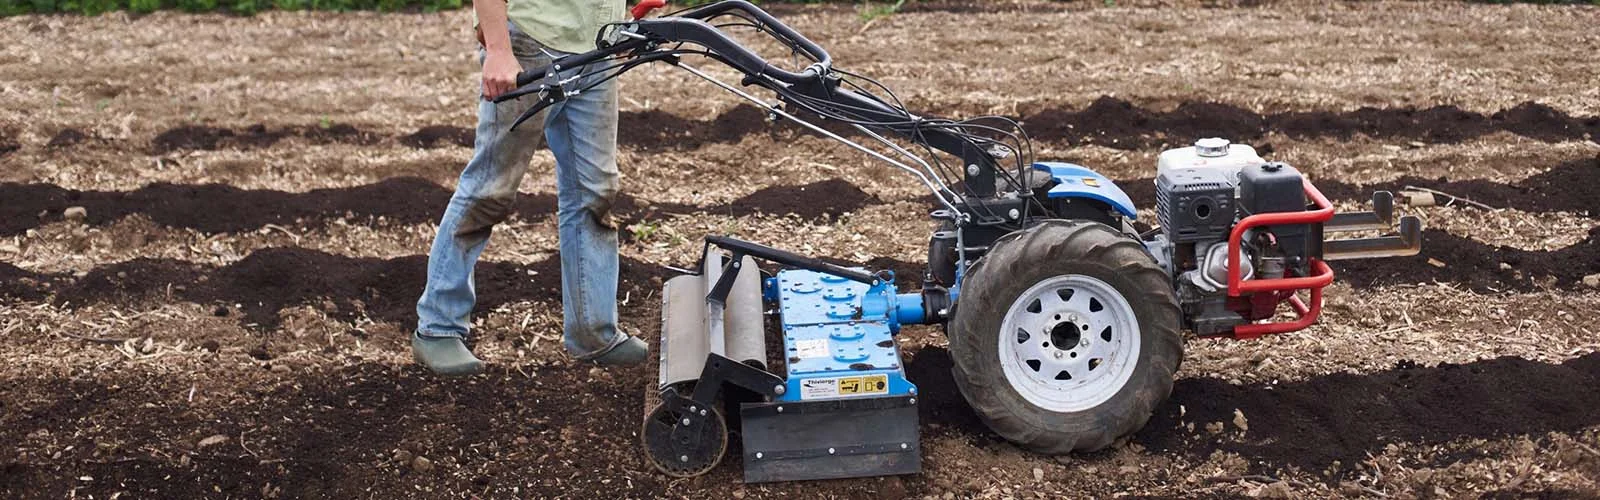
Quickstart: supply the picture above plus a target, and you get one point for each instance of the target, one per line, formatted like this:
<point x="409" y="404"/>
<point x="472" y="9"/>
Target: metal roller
<point x="684" y="345"/>
<point x="744" y="326"/>
<point x="714" y="313"/>
<point x="692" y="328"/>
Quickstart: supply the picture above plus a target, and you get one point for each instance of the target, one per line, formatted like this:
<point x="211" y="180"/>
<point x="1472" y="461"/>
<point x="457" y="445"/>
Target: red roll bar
<point x="1321" y="274"/>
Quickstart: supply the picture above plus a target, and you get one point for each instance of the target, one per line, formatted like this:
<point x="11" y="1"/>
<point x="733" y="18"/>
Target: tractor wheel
<point x="1065" y="337"/>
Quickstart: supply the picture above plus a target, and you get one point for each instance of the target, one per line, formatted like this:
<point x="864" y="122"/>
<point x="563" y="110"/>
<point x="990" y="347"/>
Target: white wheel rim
<point x="1071" y="308"/>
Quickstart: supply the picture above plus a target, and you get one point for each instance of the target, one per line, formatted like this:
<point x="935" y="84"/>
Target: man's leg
<point x="582" y="132"/>
<point x="485" y="195"/>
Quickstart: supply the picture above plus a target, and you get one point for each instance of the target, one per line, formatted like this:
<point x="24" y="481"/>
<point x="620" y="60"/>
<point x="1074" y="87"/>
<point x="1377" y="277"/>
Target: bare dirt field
<point x="228" y="316"/>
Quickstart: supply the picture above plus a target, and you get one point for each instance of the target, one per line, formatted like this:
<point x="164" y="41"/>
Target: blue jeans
<point x="582" y="133"/>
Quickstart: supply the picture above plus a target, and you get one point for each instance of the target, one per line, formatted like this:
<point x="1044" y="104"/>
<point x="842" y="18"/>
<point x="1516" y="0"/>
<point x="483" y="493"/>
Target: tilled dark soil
<point x="1119" y="124"/>
<point x="1312" y="423"/>
<point x="320" y="403"/>
<point x="220" y="208"/>
<point x="435" y="136"/>
<point x="1477" y="265"/>
<point x="1573" y="186"/>
<point x="191" y="137"/>
<point x="21" y="284"/>
<point x="270" y="280"/>
<point x="68" y="137"/>
<point x="328" y="434"/>
<point x="1107" y="121"/>
<point x="7" y="143"/>
<point x="357" y="430"/>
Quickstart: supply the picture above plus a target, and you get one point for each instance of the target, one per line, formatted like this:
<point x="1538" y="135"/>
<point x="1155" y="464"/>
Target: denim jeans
<point x="582" y="133"/>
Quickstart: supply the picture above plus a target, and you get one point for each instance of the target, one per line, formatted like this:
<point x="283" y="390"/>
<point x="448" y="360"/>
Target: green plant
<point x="334" y="5"/>
<point x="144" y="6"/>
<point x="288" y="4"/>
<point x="97" y="7"/>
<point x="245" y="7"/>
<point x="644" y="231"/>
<point x="197" y="5"/>
<point x="438" y="5"/>
<point x="14" y="7"/>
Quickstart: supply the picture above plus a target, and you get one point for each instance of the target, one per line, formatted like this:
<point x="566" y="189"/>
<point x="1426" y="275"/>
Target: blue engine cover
<point x="838" y="337"/>
<point x="1077" y="181"/>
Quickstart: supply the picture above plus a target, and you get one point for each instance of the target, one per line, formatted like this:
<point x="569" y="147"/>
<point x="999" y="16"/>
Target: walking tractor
<point x="1063" y="319"/>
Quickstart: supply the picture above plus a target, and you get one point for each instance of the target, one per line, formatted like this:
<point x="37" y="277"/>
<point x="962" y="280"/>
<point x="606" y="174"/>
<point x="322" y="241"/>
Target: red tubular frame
<point x="1321" y="274"/>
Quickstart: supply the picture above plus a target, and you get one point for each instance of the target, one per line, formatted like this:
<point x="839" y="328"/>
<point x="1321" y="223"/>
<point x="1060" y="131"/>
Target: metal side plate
<point x="796" y="441"/>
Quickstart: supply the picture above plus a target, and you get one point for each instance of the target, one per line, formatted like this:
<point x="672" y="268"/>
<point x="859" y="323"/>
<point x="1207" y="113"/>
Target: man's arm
<point x="500" y="67"/>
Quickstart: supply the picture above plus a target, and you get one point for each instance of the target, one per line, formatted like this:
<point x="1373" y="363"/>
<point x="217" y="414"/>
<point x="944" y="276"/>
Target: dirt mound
<point x="205" y="137"/>
<point x="1120" y="124"/>
<point x="220" y="208"/>
<point x="8" y="145"/>
<point x="1309" y="424"/>
<point x="337" y="133"/>
<point x="1538" y="121"/>
<point x="23" y="285"/>
<point x="818" y="200"/>
<point x="434" y="136"/>
<point x="67" y="137"/>
<point x="270" y="280"/>
<point x="1106" y="121"/>
<point x="1476" y="265"/>
<point x="1568" y="187"/>
<point x="655" y="129"/>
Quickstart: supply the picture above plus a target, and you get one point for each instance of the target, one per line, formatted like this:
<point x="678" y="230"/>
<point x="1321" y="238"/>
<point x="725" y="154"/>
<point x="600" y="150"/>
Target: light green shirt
<point x="565" y="25"/>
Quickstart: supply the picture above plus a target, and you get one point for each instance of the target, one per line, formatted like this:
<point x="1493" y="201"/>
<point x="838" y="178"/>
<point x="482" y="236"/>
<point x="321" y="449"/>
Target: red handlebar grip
<point x="644" y="7"/>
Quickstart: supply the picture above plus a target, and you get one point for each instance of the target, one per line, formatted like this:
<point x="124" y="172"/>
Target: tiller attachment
<point x="843" y="407"/>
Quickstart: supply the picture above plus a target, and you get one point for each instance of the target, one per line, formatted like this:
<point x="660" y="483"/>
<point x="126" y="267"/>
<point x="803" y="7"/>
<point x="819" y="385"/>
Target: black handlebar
<point x="772" y="23"/>
<point x="690" y="26"/>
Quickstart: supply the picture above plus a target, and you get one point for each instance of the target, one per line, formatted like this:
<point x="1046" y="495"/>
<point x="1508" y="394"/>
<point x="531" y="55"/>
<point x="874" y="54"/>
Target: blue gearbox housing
<point x="838" y="335"/>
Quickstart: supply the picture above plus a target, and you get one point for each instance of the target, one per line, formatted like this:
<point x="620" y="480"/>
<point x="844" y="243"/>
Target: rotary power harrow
<point x="1064" y="320"/>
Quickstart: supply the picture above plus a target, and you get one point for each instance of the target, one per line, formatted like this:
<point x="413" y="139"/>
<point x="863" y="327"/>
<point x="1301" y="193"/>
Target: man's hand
<point x="500" y="70"/>
<point x="500" y="67"/>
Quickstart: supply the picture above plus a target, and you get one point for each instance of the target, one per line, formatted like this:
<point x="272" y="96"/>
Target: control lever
<point x="644" y="7"/>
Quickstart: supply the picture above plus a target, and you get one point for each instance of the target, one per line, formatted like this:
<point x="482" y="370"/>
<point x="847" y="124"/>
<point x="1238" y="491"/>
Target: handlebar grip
<point x="533" y="75"/>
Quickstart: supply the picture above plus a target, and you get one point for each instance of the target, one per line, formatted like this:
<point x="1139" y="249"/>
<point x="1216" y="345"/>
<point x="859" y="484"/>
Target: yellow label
<point x="869" y="384"/>
<point x="1091" y="182"/>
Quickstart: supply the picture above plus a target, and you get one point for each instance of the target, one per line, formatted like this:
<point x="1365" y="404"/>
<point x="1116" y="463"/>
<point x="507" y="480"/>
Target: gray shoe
<point x="631" y="351"/>
<point x="445" y="355"/>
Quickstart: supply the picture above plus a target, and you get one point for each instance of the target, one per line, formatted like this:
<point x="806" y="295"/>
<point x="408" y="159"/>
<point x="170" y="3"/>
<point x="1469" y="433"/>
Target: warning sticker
<point x="865" y="385"/>
<point x="870" y="384"/>
<point x="811" y="348"/>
